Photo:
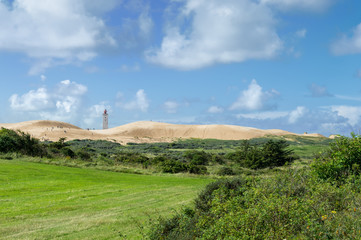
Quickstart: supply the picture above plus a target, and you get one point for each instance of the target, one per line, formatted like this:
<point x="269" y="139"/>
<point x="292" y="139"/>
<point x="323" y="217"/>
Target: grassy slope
<point x="54" y="202"/>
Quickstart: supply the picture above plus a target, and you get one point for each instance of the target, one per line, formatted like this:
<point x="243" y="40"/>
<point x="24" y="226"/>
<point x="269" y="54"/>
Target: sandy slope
<point x="143" y="131"/>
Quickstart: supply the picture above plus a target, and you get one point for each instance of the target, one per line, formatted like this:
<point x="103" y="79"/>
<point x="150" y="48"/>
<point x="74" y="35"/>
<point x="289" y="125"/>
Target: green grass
<point x="40" y="201"/>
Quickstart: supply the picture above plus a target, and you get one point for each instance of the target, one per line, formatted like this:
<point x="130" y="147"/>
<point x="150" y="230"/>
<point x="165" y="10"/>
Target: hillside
<point x="144" y="131"/>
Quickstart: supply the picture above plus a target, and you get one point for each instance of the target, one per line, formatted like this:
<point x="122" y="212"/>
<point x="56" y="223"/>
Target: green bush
<point x="20" y="142"/>
<point x="229" y="186"/>
<point x="83" y="154"/>
<point x="67" y="152"/>
<point x="291" y="205"/>
<point x="197" y="169"/>
<point x="59" y="144"/>
<point x="197" y="157"/>
<point x="173" y="166"/>
<point x="271" y="154"/>
<point x="341" y="160"/>
<point x="224" y="171"/>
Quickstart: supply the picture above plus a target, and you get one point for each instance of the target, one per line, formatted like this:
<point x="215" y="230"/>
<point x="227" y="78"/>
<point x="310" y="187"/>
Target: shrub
<point x="9" y="141"/>
<point x="291" y="205"/>
<point x="224" y="171"/>
<point x="197" y="157"/>
<point x="159" y="159"/>
<point x="197" y="169"/>
<point x="59" y="144"/>
<point x="173" y="166"/>
<point x="341" y="160"/>
<point x="270" y="154"/>
<point x="275" y="154"/>
<point x="217" y="158"/>
<point x="230" y="186"/>
<point x="67" y="152"/>
<point x="20" y="142"/>
<point x="83" y="154"/>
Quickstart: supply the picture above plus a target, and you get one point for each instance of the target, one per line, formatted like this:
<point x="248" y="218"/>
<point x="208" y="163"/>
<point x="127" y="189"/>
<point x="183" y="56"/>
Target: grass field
<point x="40" y="201"/>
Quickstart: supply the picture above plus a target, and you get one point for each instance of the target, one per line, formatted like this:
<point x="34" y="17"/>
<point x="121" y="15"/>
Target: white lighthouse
<point x="105" y="119"/>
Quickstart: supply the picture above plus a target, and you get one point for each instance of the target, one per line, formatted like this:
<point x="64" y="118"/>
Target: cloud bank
<point x="62" y="103"/>
<point x="240" y="30"/>
<point x="49" y="31"/>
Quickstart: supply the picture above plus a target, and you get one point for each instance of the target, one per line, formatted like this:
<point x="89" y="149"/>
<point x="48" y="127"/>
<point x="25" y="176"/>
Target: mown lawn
<point x="40" y="201"/>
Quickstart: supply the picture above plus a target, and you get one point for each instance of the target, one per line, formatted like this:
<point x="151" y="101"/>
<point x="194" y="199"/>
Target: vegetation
<point x="193" y="156"/>
<point x="17" y="141"/>
<point x="270" y="154"/>
<point x="318" y="203"/>
<point x="343" y="159"/>
<point x="265" y="188"/>
<point x="293" y="205"/>
<point x="41" y="201"/>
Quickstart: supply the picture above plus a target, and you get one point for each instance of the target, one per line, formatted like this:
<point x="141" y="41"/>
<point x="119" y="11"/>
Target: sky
<point x="271" y="64"/>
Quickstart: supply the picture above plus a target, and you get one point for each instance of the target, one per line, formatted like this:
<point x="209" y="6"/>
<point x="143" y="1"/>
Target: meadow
<point x="187" y="189"/>
<point x="41" y="201"/>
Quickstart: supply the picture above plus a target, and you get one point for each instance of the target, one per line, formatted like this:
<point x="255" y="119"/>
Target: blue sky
<point x="286" y="64"/>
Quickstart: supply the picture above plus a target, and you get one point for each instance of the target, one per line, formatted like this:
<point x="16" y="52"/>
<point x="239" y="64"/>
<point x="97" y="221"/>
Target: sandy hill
<point x="143" y="131"/>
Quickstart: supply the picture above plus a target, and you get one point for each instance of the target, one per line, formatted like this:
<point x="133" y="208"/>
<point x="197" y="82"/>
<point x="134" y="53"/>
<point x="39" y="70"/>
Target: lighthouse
<point x="105" y="119"/>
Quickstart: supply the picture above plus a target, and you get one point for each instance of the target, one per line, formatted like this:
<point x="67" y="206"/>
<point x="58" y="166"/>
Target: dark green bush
<point x="229" y="186"/>
<point x="173" y="166"/>
<point x="291" y="205"/>
<point x="159" y="159"/>
<point x="20" y="142"/>
<point x="9" y="141"/>
<point x="341" y="160"/>
<point x="83" y="154"/>
<point x="224" y="171"/>
<point x="197" y="169"/>
<point x="67" y="152"/>
<point x="59" y="144"/>
<point x="197" y="157"/>
<point x="270" y="154"/>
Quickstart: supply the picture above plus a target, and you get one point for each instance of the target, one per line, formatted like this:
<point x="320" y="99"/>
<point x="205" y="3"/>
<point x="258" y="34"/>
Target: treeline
<point x="268" y="154"/>
<point x="320" y="202"/>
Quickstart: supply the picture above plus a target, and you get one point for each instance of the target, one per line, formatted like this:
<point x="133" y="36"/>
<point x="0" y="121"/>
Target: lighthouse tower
<point x="105" y="119"/>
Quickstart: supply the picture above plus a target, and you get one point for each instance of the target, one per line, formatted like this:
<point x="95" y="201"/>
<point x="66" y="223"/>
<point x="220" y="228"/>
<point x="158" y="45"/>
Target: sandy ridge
<point x="144" y="131"/>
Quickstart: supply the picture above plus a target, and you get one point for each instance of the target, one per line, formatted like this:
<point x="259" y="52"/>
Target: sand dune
<point x="144" y="131"/>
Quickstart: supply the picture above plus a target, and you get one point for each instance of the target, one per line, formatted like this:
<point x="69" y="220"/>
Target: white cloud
<point x="94" y="113"/>
<point x="43" y="78"/>
<point x="348" y="45"/>
<point x="145" y="23"/>
<point x="350" y="98"/>
<point x="34" y="100"/>
<point x="351" y="113"/>
<point x="135" y="33"/>
<point x="54" y="32"/>
<point x="299" y="112"/>
<point x="263" y="115"/>
<point x="220" y="31"/>
<point x="63" y="103"/>
<point x="319" y="91"/>
<point x="67" y="87"/>
<point x="254" y="98"/>
<point x="215" y="109"/>
<point x="299" y="5"/>
<point x="129" y="68"/>
<point x="301" y="33"/>
<point x="140" y="102"/>
<point x="171" y="106"/>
